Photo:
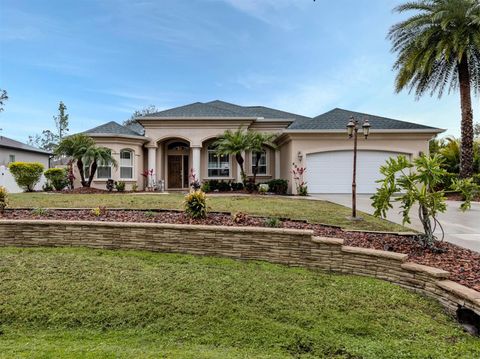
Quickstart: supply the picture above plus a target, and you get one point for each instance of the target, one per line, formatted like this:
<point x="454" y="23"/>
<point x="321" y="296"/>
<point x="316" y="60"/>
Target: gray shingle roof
<point x="9" y="143"/>
<point x="222" y="109"/>
<point x="112" y="128"/>
<point x="338" y="118"/>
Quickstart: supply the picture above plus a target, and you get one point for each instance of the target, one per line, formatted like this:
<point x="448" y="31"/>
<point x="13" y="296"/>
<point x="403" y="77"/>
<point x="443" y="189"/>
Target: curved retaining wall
<point x="286" y="246"/>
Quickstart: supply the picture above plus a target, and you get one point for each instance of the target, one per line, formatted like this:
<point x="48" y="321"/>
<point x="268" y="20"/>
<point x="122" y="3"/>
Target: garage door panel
<point x="331" y="172"/>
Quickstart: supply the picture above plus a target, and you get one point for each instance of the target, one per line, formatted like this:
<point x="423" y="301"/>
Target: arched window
<point x="126" y="164"/>
<point x="218" y="165"/>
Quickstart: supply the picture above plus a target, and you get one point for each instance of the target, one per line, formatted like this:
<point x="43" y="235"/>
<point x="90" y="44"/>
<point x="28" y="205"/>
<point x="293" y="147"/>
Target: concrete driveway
<point x="461" y="228"/>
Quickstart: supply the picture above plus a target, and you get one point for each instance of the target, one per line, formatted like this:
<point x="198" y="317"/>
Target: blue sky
<point x="107" y="58"/>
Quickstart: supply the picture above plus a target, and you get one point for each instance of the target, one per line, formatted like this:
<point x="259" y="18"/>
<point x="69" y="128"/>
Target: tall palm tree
<point x="258" y="141"/>
<point x="439" y="48"/>
<point x="95" y="155"/>
<point x="234" y="143"/>
<point x="75" y="147"/>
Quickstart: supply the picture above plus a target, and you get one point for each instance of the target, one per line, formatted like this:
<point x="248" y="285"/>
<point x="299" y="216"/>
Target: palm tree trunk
<point x="258" y="155"/>
<point x="93" y="169"/>
<point x="80" y="170"/>
<point x="240" y="161"/>
<point x="466" y="158"/>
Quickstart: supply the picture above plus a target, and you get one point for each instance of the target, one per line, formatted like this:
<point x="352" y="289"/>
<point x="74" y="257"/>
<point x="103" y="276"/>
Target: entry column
<point x="152" y="165"/>
<point x="196" y="160"/>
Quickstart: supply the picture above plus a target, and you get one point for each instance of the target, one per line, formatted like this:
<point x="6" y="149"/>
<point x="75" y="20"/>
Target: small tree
<point x="3" y="98"/>
<point x="415" y="182"/>
<point x="257" y="142"/>
<point x="26" y="174"/>
<point x="58" y="177"/>
<point x="234" y="143"/>
<point x="95" y="155"/>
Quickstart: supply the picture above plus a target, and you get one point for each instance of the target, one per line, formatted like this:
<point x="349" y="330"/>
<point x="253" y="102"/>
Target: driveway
<point x="461" y="228"/>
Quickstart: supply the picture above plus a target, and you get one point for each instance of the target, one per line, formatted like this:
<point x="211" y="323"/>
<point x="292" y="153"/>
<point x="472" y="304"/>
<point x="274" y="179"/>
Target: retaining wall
<point x="286" y="246"/>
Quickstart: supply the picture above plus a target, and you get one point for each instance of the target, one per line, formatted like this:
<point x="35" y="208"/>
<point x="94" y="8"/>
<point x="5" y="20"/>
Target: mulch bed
<point x="463" y="264"/>
<point x="459" y="197"/>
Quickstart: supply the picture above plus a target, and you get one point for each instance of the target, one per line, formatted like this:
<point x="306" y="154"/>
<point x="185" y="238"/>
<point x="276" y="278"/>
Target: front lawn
<point x="66" y="302"/>
<point x="294" y="208"/>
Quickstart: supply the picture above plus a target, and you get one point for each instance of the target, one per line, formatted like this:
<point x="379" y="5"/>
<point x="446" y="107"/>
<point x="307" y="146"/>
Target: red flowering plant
<point x="301" y="185"/>
<point x="194" y="181"/>
<point x="148" y="174"/>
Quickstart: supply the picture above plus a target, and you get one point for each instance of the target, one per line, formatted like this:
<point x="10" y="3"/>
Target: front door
<point x="175" y="171"/>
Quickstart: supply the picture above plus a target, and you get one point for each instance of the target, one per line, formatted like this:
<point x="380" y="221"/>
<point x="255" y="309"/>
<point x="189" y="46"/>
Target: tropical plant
<point x="439" y="48"/>
<point x="195" y="204"/>
<point x="450" y="149"/>
<point x="100" y="211"/>
<point x="120" y="186"/>
<point x="58" y="177"/>
<point x="26" y="174"/>
<point x="298" y="173"/>
<point x="257" y="142"/>
<point x="3" y="199"/>
<point x="39" y="211"/>
<point x="234" y="143"/>
<point x="273" y="222"/>
<point x="82" y="149"/>
<point x="416" y="182"/>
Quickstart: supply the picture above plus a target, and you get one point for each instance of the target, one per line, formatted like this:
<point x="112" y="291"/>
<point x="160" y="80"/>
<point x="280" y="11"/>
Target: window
<point x="218" y="165"/>
<point x="262" y="164"/>
<point x="126" y="164"/>
<point x="104" y="170"/>
<point x="11" y="158"/>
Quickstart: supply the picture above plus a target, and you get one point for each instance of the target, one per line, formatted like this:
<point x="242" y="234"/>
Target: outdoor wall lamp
<point x="352" y="131"/>
<point x="299" y="156"/>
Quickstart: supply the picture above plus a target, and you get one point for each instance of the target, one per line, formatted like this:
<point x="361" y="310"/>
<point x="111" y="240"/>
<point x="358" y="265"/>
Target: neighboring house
<point x="174" y="141"/>
<point x="15" y="151"/>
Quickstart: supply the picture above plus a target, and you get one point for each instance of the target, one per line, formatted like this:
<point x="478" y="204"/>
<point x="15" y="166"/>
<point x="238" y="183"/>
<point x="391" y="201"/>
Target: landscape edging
<point x="286" y="246"/>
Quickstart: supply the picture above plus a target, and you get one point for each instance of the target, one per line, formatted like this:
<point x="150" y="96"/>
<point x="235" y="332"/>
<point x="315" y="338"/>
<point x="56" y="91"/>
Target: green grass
<point x="66" y="302"/>
<point x="311" y="210"/>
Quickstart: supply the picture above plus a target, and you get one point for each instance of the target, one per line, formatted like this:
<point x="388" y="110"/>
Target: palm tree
<point x="95" y="155"/>
<point x="234" y="143"/>
<point x="439" y="47"/>
<point x="75" y="147"/>
<point x="450" y="152"/>
<point x="258" y="141"/>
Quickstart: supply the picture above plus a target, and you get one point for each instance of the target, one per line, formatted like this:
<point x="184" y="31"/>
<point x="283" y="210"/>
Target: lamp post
<point x="352" y="130"/>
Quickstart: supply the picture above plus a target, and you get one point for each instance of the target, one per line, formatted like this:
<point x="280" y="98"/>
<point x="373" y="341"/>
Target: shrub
<point x="26" y="174"/>
<point x="195" y="204"/>
<point x="272" y="222"/>
<point x="302" y="190"/>
<point x="99" y="211"/>
<point x="237" y="186"/>
<point x="110" y="184"/>
<point x="134" y="187"/>
<point x="57" y="177"/>
<point x="213" y="185"/>
<point x="39" y="211"/>
<point x="150" y="214"/>
<point x="263" y="188"/>
<point x="47" y="187"/>
<point x="3" y="199"/>
<point x="251" y="186"/>
<point x="120" y="186"/>
<point x="224" y="186"/>
<point x="278" y="186"/>
<point x="206" y="187"/>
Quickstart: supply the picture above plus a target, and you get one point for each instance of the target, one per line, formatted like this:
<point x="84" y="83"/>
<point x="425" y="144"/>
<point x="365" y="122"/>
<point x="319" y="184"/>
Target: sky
<point x="107" y="58"/>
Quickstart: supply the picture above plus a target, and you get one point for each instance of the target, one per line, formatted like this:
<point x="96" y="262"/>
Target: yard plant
<point x="26" y="174"/>
<point x="195" y="204"/>
<point x="58" y="177"/>
<point x="3" y="199"/>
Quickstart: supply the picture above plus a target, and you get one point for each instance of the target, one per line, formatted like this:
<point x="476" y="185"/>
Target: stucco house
<point x="175" y="141"/>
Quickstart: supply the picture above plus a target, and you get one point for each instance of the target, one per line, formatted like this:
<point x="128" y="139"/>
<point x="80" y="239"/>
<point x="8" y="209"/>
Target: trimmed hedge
<point x="58" y="177"/>
<point x="26" y="174"/>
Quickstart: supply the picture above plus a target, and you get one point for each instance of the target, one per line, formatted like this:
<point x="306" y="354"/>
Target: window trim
<point x="132" y="160"/>
<point x="211" y="149"/>
<point x="10" y="156"/>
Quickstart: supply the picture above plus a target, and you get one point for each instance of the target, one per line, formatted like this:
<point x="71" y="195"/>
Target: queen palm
<point x="439" y="48"/>
<point x="95" y="155"/>
<point x="234" y="143"/>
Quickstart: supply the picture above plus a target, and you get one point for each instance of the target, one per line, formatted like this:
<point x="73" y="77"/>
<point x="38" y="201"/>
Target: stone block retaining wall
<point x="286" y="246"/>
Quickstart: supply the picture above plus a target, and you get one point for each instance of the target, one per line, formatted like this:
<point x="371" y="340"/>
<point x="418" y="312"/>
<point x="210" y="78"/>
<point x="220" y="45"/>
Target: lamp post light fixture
<point x="352" y="130"/>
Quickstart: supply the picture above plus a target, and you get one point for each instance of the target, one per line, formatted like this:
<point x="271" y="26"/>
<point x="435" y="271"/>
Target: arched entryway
<point x="177" y="162"/>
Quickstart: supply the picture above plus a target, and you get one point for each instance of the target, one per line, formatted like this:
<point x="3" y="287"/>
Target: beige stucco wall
<point x="22" y="156"/>
<point x="116" y="145"/>
<point x="408" y="143"/>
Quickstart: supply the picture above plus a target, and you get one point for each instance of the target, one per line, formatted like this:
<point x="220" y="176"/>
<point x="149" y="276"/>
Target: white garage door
<point x="331" y="172"/>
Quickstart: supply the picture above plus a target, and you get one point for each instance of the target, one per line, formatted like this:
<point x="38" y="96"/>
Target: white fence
<point x="7" y="181"/>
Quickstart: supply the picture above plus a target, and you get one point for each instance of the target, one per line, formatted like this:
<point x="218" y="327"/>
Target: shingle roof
<point x="112" y="128"/>
<point x="9" y="143"/>
<point x="222" y="109"/>
<point x="338" y="118"/>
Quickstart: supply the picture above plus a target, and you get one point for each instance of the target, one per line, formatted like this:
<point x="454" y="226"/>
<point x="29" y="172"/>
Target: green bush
<point x="3" y="199"/>
<point x="26" y="174"/>
<point x="195" y="204"/>
<point x="237" y="186"/>
<point x="273" y="222"/>
<point x="206" y="187"/>
<point x="278" y="186"/>
<point x="120" y="186"/>
<point x="224" y="186"/>
<point x="58" y="177"/>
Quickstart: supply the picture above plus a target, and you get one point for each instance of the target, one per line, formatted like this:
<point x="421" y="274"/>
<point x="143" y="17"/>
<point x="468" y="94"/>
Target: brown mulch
<point x="463" y="264"/>
<point x="459" y="197"/>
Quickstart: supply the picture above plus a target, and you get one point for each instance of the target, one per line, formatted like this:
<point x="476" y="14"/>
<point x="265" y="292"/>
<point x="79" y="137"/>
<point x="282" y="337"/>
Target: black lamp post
<point x="352" y="130"/>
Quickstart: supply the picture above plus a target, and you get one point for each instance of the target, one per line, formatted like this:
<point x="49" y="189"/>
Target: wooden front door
<point x="175" y="171"/>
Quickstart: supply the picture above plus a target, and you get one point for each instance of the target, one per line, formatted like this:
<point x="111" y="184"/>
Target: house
<point x="15" y="151"/>
<point x="175" y="141"/>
